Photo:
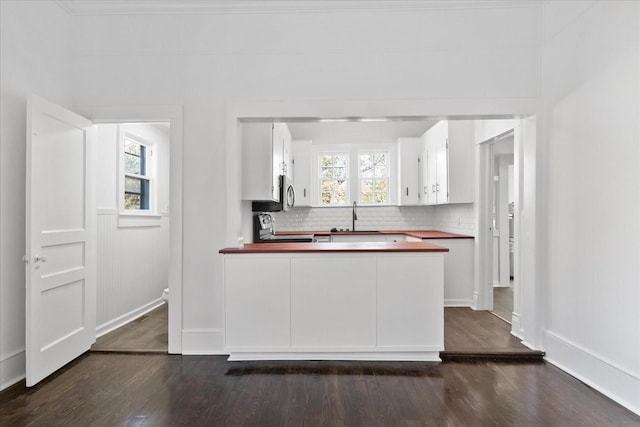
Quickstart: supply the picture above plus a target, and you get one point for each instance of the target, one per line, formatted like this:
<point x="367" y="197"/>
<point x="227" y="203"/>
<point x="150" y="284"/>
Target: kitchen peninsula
<point x="334" y="301"/>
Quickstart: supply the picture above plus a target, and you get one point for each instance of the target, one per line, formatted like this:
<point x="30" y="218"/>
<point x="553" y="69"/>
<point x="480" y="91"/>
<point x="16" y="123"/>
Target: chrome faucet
<point x="354" y="216"/>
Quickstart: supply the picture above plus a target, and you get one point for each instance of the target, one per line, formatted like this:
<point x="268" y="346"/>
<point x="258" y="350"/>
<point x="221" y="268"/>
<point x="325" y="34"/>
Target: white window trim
<point x="387" y="153"/>
<point x="137" y="218"/>
<point x="332" y="152"/>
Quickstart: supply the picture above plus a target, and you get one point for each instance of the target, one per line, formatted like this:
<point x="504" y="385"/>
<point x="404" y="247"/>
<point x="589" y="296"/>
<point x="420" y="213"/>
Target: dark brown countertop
<point x="420" y="234"/>
<point x="329" y="247"/>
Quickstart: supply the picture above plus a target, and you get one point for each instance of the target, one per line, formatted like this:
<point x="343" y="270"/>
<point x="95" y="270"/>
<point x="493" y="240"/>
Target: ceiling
<point x="111" y="7"/>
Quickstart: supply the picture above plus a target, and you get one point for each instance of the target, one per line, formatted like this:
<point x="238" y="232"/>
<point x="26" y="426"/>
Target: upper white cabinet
<point x="301" y="171"/>
<point x="462" y="166"/>
<point x="264" y="159"/>
<point x="410" y="176"/>
<point x="435" y="171"/>
<point x="448" y="163"/>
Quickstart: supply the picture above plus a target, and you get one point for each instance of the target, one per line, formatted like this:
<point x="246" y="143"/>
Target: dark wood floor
<point x="467" y="333"/>
<point x="471" y="333"/>
<point x="102" y="389"/>
<point x="147" y="334"/>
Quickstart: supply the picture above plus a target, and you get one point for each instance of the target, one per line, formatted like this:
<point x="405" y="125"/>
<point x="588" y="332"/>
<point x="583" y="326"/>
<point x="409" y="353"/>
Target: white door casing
<point x="60" y="239"/>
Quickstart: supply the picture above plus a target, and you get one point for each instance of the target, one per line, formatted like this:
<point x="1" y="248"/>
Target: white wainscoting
<point x="132" y="270"/>
<point x="607" y="377"/>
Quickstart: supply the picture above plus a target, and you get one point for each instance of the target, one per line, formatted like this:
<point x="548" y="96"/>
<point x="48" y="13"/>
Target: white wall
<point x="132" y="261"/>
<point x="35" y="43"/>
<point x="592" y="135"/>
<point x="455" y="218"/>
<point x="207" y="62"/>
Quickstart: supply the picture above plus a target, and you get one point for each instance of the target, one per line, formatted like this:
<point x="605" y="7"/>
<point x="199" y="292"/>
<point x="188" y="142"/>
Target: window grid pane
<point x="136" y="186"/>
<point x="333" y="179"/>
<point x="374" y="178"/>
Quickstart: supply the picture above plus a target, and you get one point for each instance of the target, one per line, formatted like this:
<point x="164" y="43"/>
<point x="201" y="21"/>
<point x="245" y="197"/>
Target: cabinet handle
<point x="304" y="192"/>
<point x="407" y="191"/>
<point x="438" y="187"/>
<point x="433" y="188"/>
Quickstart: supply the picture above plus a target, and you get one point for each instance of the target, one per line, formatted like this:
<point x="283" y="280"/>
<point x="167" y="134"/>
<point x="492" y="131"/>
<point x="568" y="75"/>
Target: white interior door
<point x="60" y="241"/>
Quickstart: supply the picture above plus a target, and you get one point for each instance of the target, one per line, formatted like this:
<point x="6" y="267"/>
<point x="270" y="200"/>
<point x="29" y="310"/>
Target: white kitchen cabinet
<point x="410" y="177"/>
<point x="259" y="159"/>
<point x="263" y="159"/>
<point x="329" y="293"/>
<point x="257" y="306"/>
<point x="401" y="296"/>
<point x="301" y="171"/>
<point x="458" y="271"/>
<point x="461" y="162"/>
<point x="287" y="159"/>
<point x="448" y="163"/>
<point x="435" y="155"/>
<point x="334" y="306"/>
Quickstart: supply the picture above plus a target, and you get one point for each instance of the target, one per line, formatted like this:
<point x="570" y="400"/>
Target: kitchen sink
<point x="335" y="230"/>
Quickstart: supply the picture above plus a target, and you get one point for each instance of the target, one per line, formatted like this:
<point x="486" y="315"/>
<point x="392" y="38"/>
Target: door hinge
<point x="25" y="259"/>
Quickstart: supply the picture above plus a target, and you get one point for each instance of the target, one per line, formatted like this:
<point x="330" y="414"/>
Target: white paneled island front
<point x="334" y="301"/>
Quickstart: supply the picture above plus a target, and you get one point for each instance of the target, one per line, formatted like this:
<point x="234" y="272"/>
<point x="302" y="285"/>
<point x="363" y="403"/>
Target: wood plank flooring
<point x="147" y="334"/>
<point x="468" y="333"/>
<point x="471" y="333"/>
<point x="164" y="390"/>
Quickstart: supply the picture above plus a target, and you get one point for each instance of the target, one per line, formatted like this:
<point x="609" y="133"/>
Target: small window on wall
<point x="334" y="183"/>
<point x="137" y="175"/>
<point x="374" y="178"/>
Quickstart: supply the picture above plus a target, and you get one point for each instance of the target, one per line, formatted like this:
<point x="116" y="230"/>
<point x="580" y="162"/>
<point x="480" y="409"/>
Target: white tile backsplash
<point x="458" y="218"/>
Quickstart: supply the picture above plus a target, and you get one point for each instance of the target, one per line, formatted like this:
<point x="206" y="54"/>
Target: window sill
<point x="139" y="219"/>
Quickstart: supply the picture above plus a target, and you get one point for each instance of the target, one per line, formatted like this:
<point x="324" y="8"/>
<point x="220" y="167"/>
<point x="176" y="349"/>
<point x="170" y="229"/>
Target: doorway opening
<point x="503" y="241"/>
<point x="133" y="227"/>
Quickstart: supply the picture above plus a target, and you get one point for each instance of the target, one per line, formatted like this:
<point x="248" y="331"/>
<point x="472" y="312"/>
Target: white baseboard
<point x="12" y="368"/>
<point x="615" y="382"/>
<point x="516" y="326"/>
<point x="458" y="302"/>
<point x="119" y="321"/>
<point x="203" y="341"/>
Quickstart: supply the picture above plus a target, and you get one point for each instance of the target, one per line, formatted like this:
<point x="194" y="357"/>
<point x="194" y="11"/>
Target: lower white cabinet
<point x="257" y="306"/>
<point x="327" y="294"/>
<point x="458" y="271"/>
<point x="357" y="306"/>
<point x="401" y="300"/>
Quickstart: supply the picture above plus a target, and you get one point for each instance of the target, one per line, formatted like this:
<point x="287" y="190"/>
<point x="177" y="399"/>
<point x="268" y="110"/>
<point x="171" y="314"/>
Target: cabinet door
<point x="301" y="165"/>
<point x="430" y="168"/>
<point x="327" y="314"/>
<point x="435" y="187"/>
<point x="257" y="308"/>
<point x="410" y="309"/>
<point x="277" y="157"/>
<point x="462" y="171"/>
<point x="287" y="158"/>
<point x="442" y="169"/>
<point x="257" y="162"/>
<point x="409" y="167"/>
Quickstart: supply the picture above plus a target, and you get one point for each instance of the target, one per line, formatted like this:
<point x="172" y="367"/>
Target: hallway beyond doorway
<point x="146" y="334"/>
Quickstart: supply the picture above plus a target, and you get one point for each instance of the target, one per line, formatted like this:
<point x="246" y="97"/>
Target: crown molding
<point x="187" y="7"/>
